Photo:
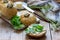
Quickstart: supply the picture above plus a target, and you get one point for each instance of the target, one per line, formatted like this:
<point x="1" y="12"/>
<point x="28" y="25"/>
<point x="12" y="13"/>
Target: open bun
<point x="58" y="1"/>
<point x="7" y="12"/>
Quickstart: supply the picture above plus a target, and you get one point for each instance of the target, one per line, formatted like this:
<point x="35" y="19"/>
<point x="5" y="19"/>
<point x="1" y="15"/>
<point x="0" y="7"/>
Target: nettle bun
<point x="8" y="10"/>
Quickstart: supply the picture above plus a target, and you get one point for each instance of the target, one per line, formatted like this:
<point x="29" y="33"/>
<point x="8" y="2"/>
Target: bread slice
<point x="7" y="12"/>
<point x="58" y="1"/>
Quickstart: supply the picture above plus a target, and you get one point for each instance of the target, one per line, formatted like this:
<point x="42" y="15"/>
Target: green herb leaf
<point x="34" y="28"/>
<point x="16" y="22"/>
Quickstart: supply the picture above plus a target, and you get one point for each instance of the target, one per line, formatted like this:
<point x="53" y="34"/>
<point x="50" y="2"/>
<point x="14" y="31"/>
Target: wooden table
<point x="7" y="33"/>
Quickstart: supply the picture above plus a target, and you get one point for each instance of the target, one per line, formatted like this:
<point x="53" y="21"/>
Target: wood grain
<point x="55" y="34"/>
<point x="6" y="33"/>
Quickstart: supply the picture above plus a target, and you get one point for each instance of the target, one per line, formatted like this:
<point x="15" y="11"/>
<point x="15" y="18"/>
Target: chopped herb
<point x="16" y="22"/>
<point x="34" y="28"/>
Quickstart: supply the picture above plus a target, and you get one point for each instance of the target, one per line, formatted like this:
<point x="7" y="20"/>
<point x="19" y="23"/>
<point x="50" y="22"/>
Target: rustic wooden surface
<point x="7" y="33"/>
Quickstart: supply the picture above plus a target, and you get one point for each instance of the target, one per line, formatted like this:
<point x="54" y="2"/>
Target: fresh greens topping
<point x="45" y="8"/>
<point x="34" y="28"/>
<point x="16" y="22"/>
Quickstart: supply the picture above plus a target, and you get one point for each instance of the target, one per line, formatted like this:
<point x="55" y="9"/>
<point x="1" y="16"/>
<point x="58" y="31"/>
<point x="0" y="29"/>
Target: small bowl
<point x="41" y="34"/>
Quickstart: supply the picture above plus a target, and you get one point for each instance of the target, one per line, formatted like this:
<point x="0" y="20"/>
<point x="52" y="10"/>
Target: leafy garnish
<point x="34" y="28"/>
<point x="16" y="22"/>
<point x="44" y="8"/>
